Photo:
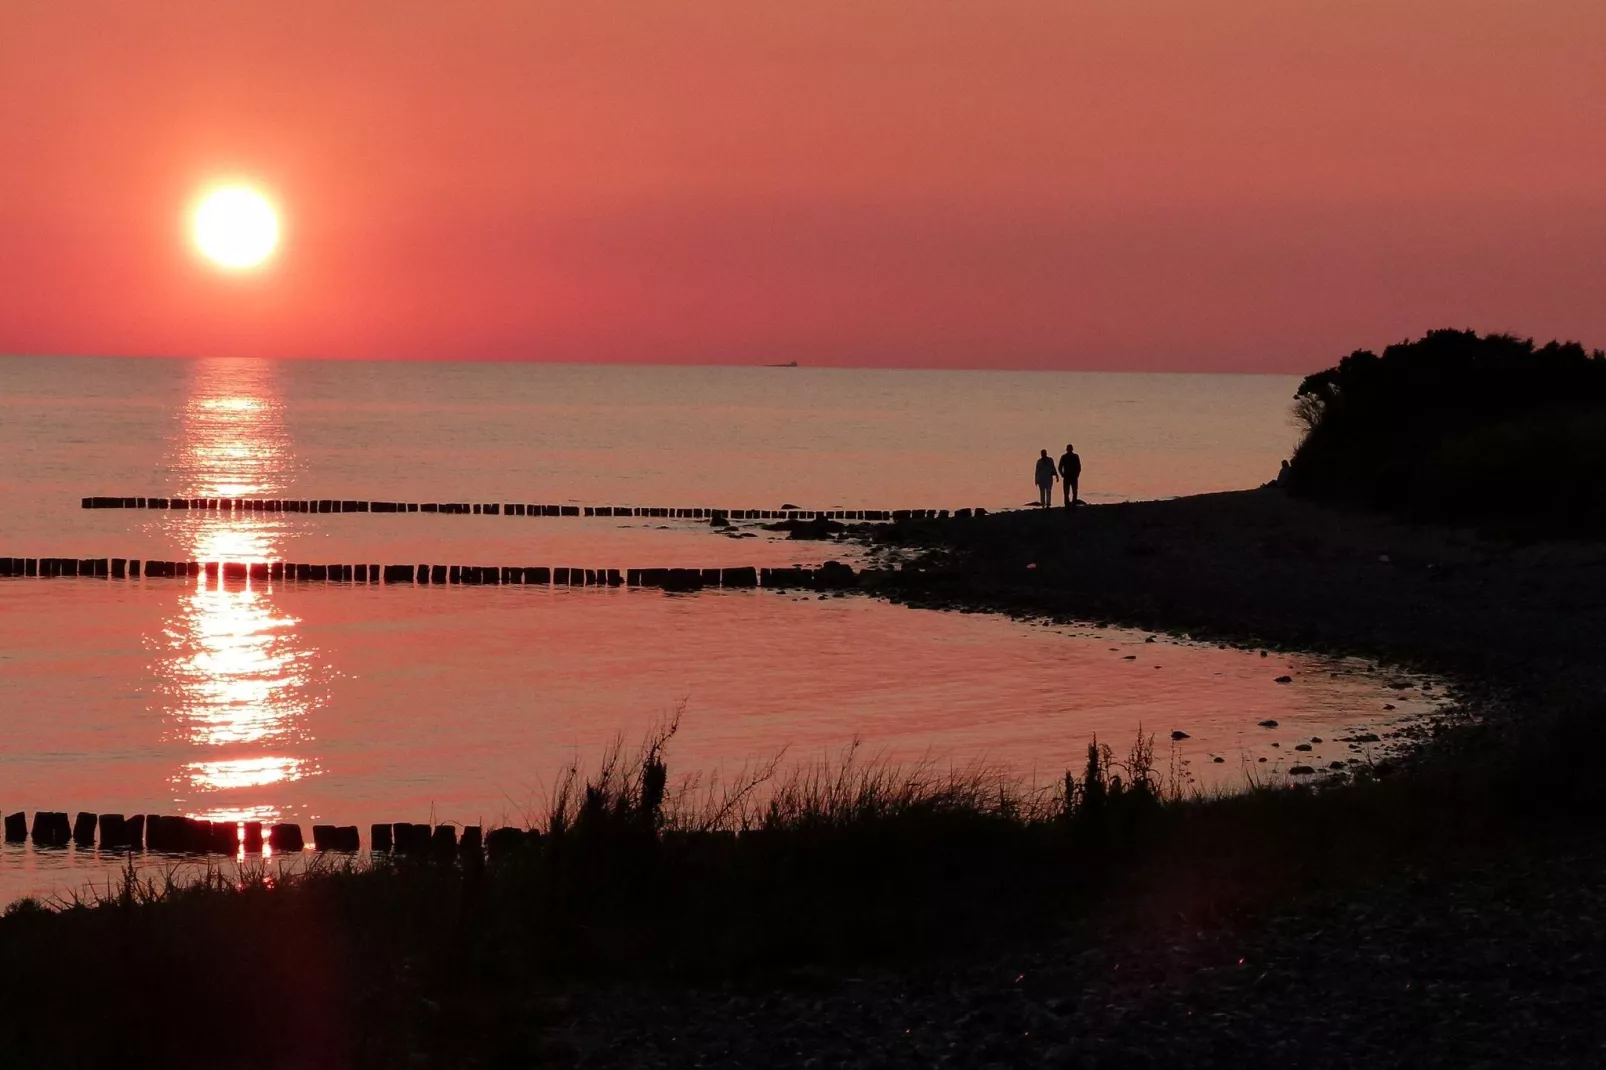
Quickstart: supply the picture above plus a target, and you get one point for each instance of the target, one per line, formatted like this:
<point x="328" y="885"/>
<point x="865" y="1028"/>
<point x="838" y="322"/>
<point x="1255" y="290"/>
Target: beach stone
<point x="1285" y="679"/>
<point x="1268" y="723"/>
<point x="1218" y="759"/>
<point x="1302" y="746"/>
<point x="1180" y="734"/>
<point x="1300" y="770"/>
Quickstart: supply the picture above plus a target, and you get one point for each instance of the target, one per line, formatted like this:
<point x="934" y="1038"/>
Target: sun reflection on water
<point x="235" y="671"/>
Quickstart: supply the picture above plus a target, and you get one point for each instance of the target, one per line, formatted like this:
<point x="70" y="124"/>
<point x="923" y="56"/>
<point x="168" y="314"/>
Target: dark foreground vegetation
<point x="1461" y="428"/>
<point x="868" y="899"/>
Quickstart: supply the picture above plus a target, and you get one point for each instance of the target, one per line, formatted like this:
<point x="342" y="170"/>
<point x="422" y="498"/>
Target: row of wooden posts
<point x="335" y="505"/>
<point x="189" y="835"/>
<point x="832" y="574"/>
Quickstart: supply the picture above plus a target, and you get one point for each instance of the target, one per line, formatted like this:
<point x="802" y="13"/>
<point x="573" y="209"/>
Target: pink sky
<point x="1255" y="185"/>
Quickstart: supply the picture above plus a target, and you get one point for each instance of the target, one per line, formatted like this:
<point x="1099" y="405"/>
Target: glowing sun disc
<point x="235" y="227"/>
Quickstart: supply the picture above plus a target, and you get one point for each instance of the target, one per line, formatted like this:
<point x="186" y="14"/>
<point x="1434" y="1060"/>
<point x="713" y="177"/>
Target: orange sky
<point x="1130" y="184"/>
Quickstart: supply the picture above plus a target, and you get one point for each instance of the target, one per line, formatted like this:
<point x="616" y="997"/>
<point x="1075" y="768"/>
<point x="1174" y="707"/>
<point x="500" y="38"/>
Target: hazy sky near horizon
<point x="1251" y="185"/>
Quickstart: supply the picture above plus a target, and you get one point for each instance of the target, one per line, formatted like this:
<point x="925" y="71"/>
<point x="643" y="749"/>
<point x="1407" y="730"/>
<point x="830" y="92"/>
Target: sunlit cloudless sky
<point x="1247" y="185"/>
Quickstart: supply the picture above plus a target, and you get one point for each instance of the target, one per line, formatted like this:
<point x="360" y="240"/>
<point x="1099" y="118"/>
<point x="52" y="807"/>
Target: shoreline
<point x="1261" y="569"/>
<point x="1447" y="910"/>
<point x="1509" y="624"/>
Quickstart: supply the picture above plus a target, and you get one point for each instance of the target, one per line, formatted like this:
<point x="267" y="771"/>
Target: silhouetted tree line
<point x="1461" y="428"/>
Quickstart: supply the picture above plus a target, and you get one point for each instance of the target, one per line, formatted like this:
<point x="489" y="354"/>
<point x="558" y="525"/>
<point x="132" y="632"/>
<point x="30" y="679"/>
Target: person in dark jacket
<point x="1071" y="475"/>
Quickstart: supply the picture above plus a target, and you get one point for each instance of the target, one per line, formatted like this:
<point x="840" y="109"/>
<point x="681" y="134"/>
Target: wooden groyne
<point x="831" y="575"/>
<point x="526" y="509"/>
<point x="196" y="836"/>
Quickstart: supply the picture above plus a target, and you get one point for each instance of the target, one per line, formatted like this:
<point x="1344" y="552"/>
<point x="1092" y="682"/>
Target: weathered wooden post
<point x="738" y="577"/>
<point x="83" y="829"/>
<point x="223" y="837"/>
<point x="286" y="837"/>
<point x="503" y="842"/>
<point x="444" y="842"/>
<point x="50" y="829"/>
<point x="113" y="832"/>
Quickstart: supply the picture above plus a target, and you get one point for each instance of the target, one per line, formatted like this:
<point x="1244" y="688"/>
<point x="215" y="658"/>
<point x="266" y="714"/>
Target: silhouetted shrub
<point x="1458" y="427"/>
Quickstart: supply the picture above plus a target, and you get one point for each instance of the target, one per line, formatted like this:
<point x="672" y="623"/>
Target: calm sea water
<point x="359" y="704"/>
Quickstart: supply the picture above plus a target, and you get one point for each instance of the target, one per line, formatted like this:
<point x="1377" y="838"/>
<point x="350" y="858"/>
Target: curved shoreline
<point x="1260" y="569"/>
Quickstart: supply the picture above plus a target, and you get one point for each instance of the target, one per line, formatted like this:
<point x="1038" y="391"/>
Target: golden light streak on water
<point x="235" y="668"/>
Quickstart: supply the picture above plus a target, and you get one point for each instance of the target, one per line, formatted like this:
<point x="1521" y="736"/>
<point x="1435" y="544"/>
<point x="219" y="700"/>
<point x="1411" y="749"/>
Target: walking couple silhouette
<point x="1068" y="472"/>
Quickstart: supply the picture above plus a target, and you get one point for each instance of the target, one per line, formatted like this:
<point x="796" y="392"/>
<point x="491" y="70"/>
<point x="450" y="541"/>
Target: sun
<point x="235" y="227"/>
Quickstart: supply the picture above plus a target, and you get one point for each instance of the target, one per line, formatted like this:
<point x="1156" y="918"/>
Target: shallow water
<point x="357" y="704"/>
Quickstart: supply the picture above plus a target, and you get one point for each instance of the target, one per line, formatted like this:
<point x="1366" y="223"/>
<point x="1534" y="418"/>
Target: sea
<point x="359" y="703"/>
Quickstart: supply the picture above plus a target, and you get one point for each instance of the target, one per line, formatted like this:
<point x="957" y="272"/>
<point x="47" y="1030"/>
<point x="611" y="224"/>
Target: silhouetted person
<point x="1045" y="480"/>
<point x="1282" y="475"/>
<point x="1071" y="475"/>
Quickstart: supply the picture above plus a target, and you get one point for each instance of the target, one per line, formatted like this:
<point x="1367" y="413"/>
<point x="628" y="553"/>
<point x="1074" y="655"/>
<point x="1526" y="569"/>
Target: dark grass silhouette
<point x="832" y="868"/>
<point x="1457" y="427"/>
